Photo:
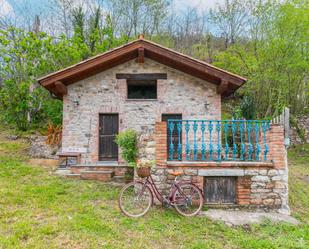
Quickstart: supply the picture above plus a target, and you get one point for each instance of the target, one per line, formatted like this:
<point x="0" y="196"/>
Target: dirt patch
<point x="46" y="163"/>
<point x="306" y="179"/>
<point x="242" y="218"/>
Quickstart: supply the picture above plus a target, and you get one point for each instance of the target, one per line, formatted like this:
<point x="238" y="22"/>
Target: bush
<point x="127" y="141"/>
<point x="245" y="109"/>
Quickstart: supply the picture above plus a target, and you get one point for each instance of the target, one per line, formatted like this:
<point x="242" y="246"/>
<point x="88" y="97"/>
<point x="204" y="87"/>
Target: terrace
<point x="218" y="140"/>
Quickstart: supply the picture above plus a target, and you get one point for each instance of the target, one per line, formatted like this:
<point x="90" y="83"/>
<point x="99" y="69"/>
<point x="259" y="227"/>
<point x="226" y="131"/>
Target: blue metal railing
<point x="217" y="140"/>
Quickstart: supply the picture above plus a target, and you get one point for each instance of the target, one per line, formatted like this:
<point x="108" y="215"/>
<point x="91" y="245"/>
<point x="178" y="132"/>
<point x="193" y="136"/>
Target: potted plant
<point x="143" y="167"/>
<point x="127" y="141"/>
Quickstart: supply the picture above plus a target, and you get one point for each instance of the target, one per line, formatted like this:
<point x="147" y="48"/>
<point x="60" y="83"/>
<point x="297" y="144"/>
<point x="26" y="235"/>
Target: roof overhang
<point x="226" y="82"/>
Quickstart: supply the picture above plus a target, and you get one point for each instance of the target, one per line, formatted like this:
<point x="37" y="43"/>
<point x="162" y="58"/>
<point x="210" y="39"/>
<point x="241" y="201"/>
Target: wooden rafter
<point x="141" y="55"/>
<point x="223" y="87"/>
<point x="61" y="88"/>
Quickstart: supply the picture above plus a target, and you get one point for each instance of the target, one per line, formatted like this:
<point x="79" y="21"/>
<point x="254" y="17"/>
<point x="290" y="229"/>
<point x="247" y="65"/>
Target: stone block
<point x="268" y="202"/>
<point x="251" y="172"/>
<point x="256" y="185"/>
<point x="277" y="178"/>
<point x="260" y="190"/>
<point x="278" y="202"/>
<point x="260" y="178"/>
<point x="256" y="201"/>
<point x="191" y="172"/>
<point x="221" y="172"/>
<point x="272" y="195"/>
<point x="280" y="185"/>
<point x="273" y="172"/>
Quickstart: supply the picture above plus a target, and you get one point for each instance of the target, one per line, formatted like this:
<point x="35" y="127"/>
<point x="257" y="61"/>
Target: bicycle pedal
<point x="166" y="203"/>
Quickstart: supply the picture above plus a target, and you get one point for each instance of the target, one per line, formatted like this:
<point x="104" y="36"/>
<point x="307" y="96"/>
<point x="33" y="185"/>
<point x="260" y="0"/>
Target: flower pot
<point x="143" y="172"/>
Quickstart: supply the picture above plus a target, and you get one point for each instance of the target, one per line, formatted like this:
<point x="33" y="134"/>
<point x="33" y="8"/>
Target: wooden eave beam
<point x="223" y="87"/>
<point x="61" y="88"/>
<point x="142" y="76"/>
<point x="140" y="55"/>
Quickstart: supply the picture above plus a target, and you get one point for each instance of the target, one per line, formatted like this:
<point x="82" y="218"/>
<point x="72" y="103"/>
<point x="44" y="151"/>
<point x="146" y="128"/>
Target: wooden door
<point x="220" y="189"/>
<point x="108" y="129"/>
<point x="175" y="135"/>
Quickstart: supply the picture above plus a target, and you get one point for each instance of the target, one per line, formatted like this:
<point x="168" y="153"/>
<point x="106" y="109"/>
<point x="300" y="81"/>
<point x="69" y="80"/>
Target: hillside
<point x="40" y="210"/>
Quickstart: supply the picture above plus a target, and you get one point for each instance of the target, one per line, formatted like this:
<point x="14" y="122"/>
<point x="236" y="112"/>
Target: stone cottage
<point x="174" y="102"/>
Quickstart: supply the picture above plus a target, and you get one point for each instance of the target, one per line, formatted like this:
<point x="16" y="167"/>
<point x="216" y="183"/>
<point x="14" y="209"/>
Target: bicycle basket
<point x="143" y="172"/>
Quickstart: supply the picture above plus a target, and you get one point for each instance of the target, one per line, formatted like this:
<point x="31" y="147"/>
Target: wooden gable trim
<point x="140" y="49"/>
<point x="100" y="62"/>
<point x="189" y="65"/>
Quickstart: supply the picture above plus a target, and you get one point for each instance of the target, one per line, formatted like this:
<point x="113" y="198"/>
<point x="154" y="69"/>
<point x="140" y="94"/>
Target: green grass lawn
<point x="40" y="210"/>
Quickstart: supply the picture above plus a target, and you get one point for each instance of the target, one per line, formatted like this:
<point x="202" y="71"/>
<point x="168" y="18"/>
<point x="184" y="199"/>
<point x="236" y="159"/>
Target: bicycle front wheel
<point x="135" y="199"/>
<point x="188" y="199"/>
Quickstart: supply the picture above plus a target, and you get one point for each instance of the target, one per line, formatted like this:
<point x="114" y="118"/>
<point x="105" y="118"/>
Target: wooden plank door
<point x="175" y="135"/>
<point x="108" y="129"/>
<point x="220" y="189"/>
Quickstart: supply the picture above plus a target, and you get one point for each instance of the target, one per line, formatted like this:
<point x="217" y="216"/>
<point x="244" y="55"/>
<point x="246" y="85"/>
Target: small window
<point x="142" y="89"/>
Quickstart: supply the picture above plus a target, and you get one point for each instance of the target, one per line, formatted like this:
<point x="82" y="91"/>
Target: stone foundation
<point x="257" y="188"/>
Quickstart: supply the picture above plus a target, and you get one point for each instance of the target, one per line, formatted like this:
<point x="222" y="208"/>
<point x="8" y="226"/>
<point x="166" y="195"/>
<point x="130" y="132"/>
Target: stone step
<point x="104" y="176"/>
<point x="120" y="179"/>
<point x="79" y="168"/>
<point x="73" y="176"/>
<point x="62" y="172"/>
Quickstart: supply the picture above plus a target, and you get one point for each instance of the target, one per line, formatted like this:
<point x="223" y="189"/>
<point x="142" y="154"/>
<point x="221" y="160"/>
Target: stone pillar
<point x="278" y="154"/>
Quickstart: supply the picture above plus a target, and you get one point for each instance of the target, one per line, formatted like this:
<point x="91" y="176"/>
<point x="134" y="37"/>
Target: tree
<point x="275" y="62"/>
<point x="230" y="18"/>
<point x="133" y="17"/>
<point x="25" y="57"/>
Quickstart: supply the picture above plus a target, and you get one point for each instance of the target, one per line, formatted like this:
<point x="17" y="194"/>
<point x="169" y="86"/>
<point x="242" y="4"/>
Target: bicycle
<point x="137" y="197"/>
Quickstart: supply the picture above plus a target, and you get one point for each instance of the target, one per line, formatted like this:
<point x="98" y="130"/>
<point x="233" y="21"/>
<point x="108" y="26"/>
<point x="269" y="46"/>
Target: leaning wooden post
<point x="286" y="126"/>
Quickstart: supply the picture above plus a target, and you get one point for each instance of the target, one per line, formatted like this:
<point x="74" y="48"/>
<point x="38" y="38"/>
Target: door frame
<point x="98" y="132"/>
<point x="167" y="135"/>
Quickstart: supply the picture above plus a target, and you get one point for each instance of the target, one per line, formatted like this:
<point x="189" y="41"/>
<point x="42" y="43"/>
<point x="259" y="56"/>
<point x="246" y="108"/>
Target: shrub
<point x="127" y="141"/>
<point x="54" y="134"/>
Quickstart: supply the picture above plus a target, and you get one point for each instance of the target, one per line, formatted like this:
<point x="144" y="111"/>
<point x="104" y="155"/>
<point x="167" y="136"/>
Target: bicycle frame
<point x="156" y="193"/>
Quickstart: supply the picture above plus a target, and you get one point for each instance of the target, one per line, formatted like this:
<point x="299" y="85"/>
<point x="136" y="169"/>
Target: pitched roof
<point x="227" y="82"/>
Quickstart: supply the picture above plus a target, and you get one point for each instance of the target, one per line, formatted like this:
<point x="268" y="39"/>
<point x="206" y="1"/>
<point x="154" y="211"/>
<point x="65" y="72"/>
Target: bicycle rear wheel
<point x="135" y="199"/>
<point x="188" y="199"/>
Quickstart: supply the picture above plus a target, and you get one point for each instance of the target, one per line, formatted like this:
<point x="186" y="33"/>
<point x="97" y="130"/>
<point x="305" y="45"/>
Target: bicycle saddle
<point x="176" y="173"/>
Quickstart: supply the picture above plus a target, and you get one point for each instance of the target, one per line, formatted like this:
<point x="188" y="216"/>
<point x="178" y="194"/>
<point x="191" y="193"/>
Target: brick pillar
<point x="161" y="143"/>
<point x="243" y="190"/>
<point x="277" y="151"/>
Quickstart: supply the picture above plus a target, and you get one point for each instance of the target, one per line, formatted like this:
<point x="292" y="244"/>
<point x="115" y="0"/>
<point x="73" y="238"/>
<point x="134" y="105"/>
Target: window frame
<point x="143" y="81"/>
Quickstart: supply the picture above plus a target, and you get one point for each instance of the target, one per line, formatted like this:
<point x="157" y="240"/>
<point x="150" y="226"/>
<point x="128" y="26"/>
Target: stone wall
<point x="103" y="93"/>
<point x="260" y="185"/>
<point x="39" y="148"/>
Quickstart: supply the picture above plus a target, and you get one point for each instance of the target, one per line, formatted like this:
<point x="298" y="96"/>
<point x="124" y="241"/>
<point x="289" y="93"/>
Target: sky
<point x="7" y="7"/>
